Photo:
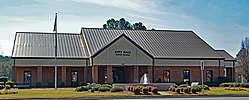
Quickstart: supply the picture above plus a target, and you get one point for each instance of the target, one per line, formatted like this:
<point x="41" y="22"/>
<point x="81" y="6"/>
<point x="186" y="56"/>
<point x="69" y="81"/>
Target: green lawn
<point x="60" y="93"/>
<point x="70" y="93"/>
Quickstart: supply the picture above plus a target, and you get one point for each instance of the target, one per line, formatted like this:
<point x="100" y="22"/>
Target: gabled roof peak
<point x="158" y="43"/>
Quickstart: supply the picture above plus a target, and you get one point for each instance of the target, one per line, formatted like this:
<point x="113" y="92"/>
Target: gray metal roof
<point x="159" y="43"/>
<point x="225" y="54"/>
<point x="33" y="44"/>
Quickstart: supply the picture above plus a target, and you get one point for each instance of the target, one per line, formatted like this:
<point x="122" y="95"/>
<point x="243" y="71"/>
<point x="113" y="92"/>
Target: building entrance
<point x="118" y="74"/>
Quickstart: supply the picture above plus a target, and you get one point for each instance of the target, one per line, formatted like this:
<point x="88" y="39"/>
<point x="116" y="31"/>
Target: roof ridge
<point x="226" y="53"/>
<point x="169" y="30"/>
<point x="47" y="33"/>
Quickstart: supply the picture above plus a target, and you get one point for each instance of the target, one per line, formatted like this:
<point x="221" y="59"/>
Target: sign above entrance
<point x="122" y="53"/>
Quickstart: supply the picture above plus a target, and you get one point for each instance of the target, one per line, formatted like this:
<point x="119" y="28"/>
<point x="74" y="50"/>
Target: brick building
<point x="117" y="56"/>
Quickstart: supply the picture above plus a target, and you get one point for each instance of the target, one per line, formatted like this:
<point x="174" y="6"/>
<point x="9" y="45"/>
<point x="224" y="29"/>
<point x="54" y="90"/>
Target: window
<point x="209" y="75"/>
<point x="166" y="75"/>
<point x="74" y="78"/>
<point x="186" y="75"/>
<point x="27" y="76"/>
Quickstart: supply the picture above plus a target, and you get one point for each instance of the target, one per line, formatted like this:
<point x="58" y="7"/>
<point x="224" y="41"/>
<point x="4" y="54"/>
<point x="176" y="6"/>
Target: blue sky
<point x="221" y="23"/>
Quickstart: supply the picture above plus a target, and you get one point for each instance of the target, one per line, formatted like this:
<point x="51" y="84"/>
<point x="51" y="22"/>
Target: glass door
<point x="118" y="74"/>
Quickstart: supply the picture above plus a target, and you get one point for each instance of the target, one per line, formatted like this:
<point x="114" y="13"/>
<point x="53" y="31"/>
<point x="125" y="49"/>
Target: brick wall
<point x="80" y="71"/>
<point x="48" y="75"/>
<point x="176" y="73"/>
<point x="20" y="74"/>
<point x="130" y="73"/>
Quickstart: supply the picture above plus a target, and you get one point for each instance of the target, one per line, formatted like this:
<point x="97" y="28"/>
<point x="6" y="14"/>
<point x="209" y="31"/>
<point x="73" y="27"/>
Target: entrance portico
<point x="120" y="74"/>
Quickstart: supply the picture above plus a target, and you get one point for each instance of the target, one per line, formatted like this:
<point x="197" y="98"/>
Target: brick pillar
<point x="85" y="74"/>
<point x="136" y="74"/>
<point x="14" y="73"/>
<point x="150" y="73"/>
<point x="109" y="74"/>
<point x="64" y="75"/>
<point x="39" y="74"/>
<point x="95" y="74"/>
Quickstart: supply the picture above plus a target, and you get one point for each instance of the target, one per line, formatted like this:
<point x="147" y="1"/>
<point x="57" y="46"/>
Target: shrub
<point x="204" y="86"/>
<point x="82" y="83"/>
<point x="154" y="90"/>
<point x="38" y="84"/>
<point x="224" y="84"/>
<point x="178" y="90"/>
<point x="186" y="90"/>
<point x="173" y="90"/>
<point x="96" y="87"/>
<point x="92" y="90"/>
<point x="189" y="90"/>
<point x="1" y="87"/>
<point x="130" y="88"/>
<point x="7" y="87"/>
<point x="136" y="90"/>
<point x="104" y="89"/>
<point x="170" y="89"/>
<point x="50" y="84"/>
<point x="116" y="89"/>
<point x="1" y="83"/>
<point x="245" y="85"/>
<point x="145" y="90"/>
<point x="141" y="87"/>
<point x="194" y="90"/>
<point x="197" y="88"/>
<point x="11" y="83"/>
<point x="81" y="88"/>
<point x="150" y="88"/>
<point x="106" y="85"/>
<point x="183" y="85"/>
<point x="61" y="84"/>
<point x="181" y="89"/>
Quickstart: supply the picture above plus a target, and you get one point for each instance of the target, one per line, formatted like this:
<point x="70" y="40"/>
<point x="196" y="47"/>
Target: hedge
<point x="82" y="83"/>
<point x="81" y="88"/>
<point x="104" y="89"/>
<point x="11" y="83"/>
<point x="245" y="85"/>
<point x="106" y="85"/>
<point x="96" y="87"/>
<point x="116" y="89"/>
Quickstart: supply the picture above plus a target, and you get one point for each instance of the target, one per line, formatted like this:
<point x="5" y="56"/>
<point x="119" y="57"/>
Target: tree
<point x="139" y="26"/>
<point x="5" y="66"/>
<point x="123" y="24"/>
<point x="243" y="59"/>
